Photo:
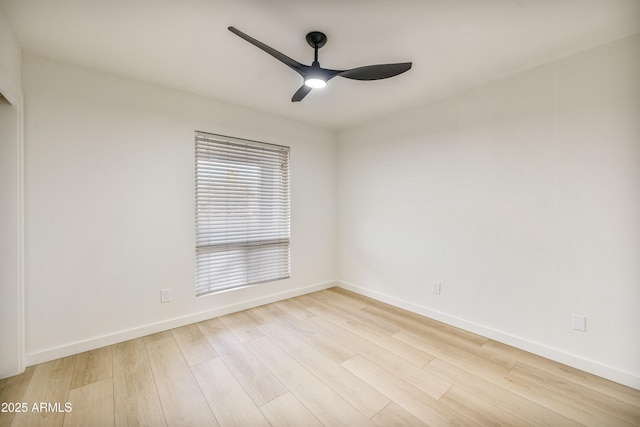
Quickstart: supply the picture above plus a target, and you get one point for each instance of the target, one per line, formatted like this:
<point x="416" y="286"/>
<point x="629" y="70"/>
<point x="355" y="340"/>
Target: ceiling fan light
<point x="315" y="83"/>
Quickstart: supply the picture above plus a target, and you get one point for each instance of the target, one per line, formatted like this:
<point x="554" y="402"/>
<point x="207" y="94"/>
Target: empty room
<point x="304" y="213"/>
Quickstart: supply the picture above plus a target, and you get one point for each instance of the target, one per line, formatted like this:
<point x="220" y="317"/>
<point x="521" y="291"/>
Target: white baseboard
<point x="605" y="371"/>
<point x="141" y="331"/>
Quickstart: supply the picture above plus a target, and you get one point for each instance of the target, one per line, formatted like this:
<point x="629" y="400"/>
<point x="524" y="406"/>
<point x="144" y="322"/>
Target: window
<point x="242" y="213"/>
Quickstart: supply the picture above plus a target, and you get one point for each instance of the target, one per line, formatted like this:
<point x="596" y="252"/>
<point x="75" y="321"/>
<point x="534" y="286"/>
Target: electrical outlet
<point x="579" y="322"/>
<point x="165" y="295"/>
<point x="435" y="288"/>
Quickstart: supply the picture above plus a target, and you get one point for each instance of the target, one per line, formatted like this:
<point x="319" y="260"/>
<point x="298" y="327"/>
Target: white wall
<point x="11" y="290"/>
<point x="109" y="177"/>
<point x="10" y="260"/>
<point x="10" y="54"/>
<point x="522" y="197"/>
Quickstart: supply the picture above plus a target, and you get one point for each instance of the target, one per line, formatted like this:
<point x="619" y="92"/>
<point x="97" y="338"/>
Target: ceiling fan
<point x="315" y="76"/>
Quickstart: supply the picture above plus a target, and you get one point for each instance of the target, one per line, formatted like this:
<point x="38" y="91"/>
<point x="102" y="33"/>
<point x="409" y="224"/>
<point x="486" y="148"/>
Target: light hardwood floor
<point x="329" y="358"/>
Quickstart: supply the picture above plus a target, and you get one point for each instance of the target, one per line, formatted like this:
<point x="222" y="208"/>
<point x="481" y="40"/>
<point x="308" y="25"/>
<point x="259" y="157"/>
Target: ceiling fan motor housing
<point x="316" y="39"/>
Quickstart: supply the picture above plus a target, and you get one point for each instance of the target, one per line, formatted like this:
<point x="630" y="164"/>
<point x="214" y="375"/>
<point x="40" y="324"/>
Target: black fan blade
<point x="301" y="93"/>
<point x="376" y="72"/>
<point x="295" y="65"/>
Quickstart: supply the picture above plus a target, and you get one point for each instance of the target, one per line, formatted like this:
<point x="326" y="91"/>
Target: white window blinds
<point x="242" y="212"/>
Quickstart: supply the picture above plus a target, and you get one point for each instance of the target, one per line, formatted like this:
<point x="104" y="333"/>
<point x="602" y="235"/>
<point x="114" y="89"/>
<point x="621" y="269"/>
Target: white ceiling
<point x="185" y="44"/>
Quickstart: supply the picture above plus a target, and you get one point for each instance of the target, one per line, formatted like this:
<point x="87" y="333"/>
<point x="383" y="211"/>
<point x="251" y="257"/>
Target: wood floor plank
<point x="336" y="299"/>
<point x="429" y="383"/>
<point x="268" y="313"/>
<point x="309" y="334"/>
<point x="324" y="403"/>
<point x="243" y="325"/>
<point x="92" y="405"/>
<point x="92" y="366"/>
<point x="193" y="344"/>
<point x="293" y="307"/>
<point x="134" y="390"/>
<point x="404" y="394"/>
<point x="523" y="381"/>
<point x="408" y="320"/>
<point x="475" y="359"/>
<point x="12" y="389"/>
<point x="415" y="324"/>
<point x="358" y="393"/>
<point x="50" y="383"/>
<point x="572" y="375"/>
<point x="585" y="395"/>
<point x="529" y="412"/>
<point x="482" y="412"/>
<point x="158" y="337"/>
<point x="377" y="322"/>
<point x="354" y="309"/>
<point x="407" y="351"/>
<point x="286" y="410"/>
<point x="231" y="404"/>
<point x="395" y="415"/>
<point x="256" y="379"/>
<point x="182" y="400"/>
